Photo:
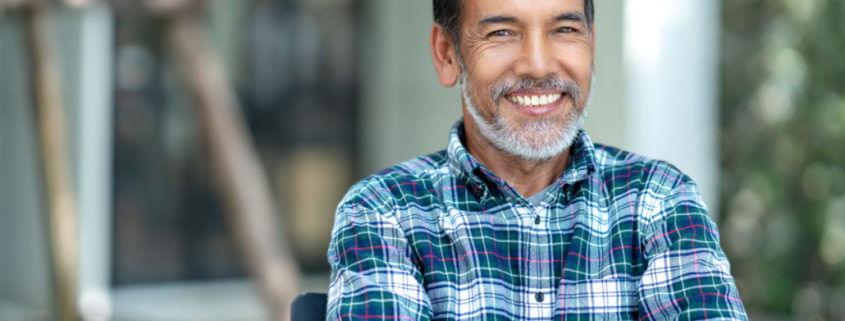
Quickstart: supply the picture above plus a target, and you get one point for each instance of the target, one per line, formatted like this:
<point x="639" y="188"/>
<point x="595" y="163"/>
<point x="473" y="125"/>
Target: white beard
<point x="538" y="139"/>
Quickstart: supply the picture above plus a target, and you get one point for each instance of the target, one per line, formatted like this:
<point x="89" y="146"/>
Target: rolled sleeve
<point x="688" y="275"/>
<point x="373" y="275"/>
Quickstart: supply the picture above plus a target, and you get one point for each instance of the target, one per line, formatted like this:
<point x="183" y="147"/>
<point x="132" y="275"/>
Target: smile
<point x="534" y="100"/>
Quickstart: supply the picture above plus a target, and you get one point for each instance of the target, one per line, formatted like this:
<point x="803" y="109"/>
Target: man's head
<point x="525" y="69"/>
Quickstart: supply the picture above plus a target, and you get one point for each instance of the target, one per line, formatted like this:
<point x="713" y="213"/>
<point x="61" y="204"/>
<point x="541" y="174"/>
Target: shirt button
<point x="537" y="219"/>
<point x="539" y="297"/>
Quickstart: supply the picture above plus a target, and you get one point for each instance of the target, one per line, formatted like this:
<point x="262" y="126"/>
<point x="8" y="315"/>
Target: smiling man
<point x="523" y="217"/>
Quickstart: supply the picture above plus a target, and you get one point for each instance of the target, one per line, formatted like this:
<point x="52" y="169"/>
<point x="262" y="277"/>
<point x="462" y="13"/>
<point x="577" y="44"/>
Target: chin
<point x="529" y="138"/>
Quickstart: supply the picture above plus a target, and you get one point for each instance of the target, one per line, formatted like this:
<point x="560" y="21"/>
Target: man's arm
<point x="688" y="276"/>
<point x="372" y="272"/>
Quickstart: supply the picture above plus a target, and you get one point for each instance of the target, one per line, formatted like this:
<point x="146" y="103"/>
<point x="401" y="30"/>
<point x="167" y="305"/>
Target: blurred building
<point x="332" y="90"/>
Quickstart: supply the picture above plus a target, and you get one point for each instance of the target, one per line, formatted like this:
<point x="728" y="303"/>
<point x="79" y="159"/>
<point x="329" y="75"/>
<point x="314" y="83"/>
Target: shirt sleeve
<point x="373" y="275"/>
<point x="688" y="275"/>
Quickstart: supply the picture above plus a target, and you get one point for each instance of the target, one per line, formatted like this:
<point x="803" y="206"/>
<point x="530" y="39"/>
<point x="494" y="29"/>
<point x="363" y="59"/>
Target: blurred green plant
<point x="782" y="145"/>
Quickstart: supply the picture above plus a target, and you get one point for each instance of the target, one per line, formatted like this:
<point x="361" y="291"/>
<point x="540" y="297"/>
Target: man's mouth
<point x="534" y="100"/>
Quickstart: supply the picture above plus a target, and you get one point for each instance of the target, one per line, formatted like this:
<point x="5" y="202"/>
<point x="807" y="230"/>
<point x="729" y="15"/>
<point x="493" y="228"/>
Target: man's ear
<point x="444" y="56"/>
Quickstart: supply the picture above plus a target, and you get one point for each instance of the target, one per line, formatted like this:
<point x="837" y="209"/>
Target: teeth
<point x="534" y="100"/>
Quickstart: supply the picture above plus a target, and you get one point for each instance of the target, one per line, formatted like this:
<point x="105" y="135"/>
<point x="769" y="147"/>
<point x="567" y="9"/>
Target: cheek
<point x="578" y="61"/>
<point x="490" y="62"/>
<point x="485" y="72"/>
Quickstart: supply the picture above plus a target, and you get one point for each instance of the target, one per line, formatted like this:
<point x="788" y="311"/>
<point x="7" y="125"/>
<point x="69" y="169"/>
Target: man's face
<point x="526" y="72"/>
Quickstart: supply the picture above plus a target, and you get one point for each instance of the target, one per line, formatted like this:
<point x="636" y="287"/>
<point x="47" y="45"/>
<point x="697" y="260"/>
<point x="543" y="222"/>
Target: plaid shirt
<point x="616" y="237"/>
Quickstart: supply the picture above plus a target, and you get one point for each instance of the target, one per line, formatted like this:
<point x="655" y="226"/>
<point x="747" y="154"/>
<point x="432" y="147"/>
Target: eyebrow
<point x="571" y="16"/>
<point x="491" y="19"/>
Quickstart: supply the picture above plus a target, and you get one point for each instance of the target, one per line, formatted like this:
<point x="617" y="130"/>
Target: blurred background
<point x="746" y="96"/>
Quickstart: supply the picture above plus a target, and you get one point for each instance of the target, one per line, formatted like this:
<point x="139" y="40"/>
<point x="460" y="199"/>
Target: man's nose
<point x="537" y="57"/>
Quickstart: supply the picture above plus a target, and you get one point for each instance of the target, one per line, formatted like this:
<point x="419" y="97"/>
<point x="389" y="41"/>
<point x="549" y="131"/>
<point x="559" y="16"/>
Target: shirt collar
<point x="582" y="162"/>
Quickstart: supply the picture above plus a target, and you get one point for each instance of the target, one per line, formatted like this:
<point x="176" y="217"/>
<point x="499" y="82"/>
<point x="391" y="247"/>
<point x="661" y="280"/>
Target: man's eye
<point x="567" y="30"/>
<point x="499" y="33"/>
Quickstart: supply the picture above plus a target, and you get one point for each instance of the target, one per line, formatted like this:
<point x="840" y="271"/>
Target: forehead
<point x="474" y="10"/>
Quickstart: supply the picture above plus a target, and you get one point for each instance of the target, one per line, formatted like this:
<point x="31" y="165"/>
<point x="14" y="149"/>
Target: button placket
<point x="539" y="265"/>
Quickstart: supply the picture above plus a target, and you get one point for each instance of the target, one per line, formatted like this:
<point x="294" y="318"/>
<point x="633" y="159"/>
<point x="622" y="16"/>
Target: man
<point x="522" y="217"/>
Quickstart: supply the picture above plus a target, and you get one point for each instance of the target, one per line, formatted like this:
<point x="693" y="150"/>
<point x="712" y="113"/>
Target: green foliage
<point x="782" y="146"/>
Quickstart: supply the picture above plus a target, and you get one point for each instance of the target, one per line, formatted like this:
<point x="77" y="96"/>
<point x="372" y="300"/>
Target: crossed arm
<point x="374" y="274"/>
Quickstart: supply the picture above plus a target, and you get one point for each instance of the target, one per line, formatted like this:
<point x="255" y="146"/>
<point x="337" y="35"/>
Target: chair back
<point x="309" y="307"/>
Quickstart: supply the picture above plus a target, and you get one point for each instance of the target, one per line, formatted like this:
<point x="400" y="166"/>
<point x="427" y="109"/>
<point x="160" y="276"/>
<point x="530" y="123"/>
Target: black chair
<point x="309" y="307"/>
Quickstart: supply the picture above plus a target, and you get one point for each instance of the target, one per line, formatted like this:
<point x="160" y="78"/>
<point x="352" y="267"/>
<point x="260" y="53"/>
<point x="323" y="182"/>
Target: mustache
<point x="569" y="87"/>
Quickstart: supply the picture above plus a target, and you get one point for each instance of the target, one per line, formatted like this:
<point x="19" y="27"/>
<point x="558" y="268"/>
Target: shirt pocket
<point x="597" y="299"/>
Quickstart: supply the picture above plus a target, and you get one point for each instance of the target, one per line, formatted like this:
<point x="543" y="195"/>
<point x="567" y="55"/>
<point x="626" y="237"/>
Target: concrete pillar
<point x="671" y="62"/>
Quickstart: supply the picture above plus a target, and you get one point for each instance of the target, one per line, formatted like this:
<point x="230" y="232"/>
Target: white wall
<point x="607" y="114"/>
<point x="405" y="112"/>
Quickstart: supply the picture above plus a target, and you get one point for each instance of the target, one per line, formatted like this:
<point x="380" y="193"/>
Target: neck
<point x="527" y="176"/>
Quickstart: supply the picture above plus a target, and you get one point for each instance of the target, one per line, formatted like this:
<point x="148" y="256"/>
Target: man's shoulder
<point x="407" y="181"/>
<point x="623" y="168"/>
<point x="420" y="167"/>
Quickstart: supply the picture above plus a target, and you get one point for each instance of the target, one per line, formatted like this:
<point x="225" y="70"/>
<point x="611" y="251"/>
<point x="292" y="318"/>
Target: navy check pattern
<point x="617" y="237"/>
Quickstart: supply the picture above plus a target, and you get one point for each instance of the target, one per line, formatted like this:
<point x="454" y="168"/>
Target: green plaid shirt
<point x="616" y="237"/>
